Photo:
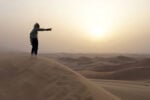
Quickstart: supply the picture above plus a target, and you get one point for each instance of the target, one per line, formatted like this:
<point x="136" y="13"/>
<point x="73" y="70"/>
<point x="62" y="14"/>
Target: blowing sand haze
<point x="95" y="47"/>
<point x="29" y="78"/>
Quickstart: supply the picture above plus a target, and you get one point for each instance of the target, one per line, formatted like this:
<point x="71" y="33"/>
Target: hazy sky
<point x="101" y="26"/>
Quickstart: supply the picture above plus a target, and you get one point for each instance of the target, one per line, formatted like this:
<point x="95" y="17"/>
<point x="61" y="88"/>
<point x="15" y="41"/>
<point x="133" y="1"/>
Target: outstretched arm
<point x="48" y="29"/>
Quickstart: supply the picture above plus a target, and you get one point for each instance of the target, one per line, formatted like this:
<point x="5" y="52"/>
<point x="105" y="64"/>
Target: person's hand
<point x="49" y="29"/>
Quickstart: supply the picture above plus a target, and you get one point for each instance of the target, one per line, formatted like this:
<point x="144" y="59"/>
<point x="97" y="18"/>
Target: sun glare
<point x="97" y="25"/>
<point x="97" y="32"/>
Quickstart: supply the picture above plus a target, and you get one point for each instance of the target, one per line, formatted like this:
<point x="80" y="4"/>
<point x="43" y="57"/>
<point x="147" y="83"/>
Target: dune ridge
<point x="111" y="68"/>
<point x="31" y="78"/>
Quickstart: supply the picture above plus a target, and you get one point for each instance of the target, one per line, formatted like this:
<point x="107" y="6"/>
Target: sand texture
<point x="38" y="78"/>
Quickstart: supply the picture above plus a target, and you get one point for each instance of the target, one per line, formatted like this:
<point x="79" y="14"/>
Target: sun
<point x="96" y="29"/>
<point x="97" y="25"/>
<point x="97" y="32"/>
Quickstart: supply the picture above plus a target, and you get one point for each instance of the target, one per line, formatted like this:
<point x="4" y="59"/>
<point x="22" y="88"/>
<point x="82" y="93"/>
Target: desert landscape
<point x="25" y="77"/>
<point x="74" y="77"/>
<point x="75" y="50"/>
<point x="125" y="76"/>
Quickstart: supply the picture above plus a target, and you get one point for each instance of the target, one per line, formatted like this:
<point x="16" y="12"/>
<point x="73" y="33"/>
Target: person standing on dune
<point x="34" y="37"/>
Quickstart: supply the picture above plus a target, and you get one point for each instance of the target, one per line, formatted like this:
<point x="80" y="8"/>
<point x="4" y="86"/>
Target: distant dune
<point x="116" y="68"/>
<point x="126" y="77"/>
<point x="137" y="73"/>
<point x="126" y="90"/>
<point x="30" y="78"/>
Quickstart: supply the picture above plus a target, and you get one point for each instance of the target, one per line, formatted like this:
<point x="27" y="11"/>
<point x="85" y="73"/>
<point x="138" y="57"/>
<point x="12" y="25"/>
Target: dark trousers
<point x="34" y="43"/>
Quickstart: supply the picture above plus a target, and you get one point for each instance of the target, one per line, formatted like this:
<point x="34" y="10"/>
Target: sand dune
<point x="127" y="90"/>
<point x="94" y="75"/>
<point x="126" y="77"/>
<point x="117" y="68"/>
<point x="31" y="78"/>
<point x="137" y="73"/>
<point x="133" y="74"/>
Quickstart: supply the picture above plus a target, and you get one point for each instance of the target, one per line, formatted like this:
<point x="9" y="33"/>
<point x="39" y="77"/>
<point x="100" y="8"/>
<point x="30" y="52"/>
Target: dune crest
<point x="30" y="78"/>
